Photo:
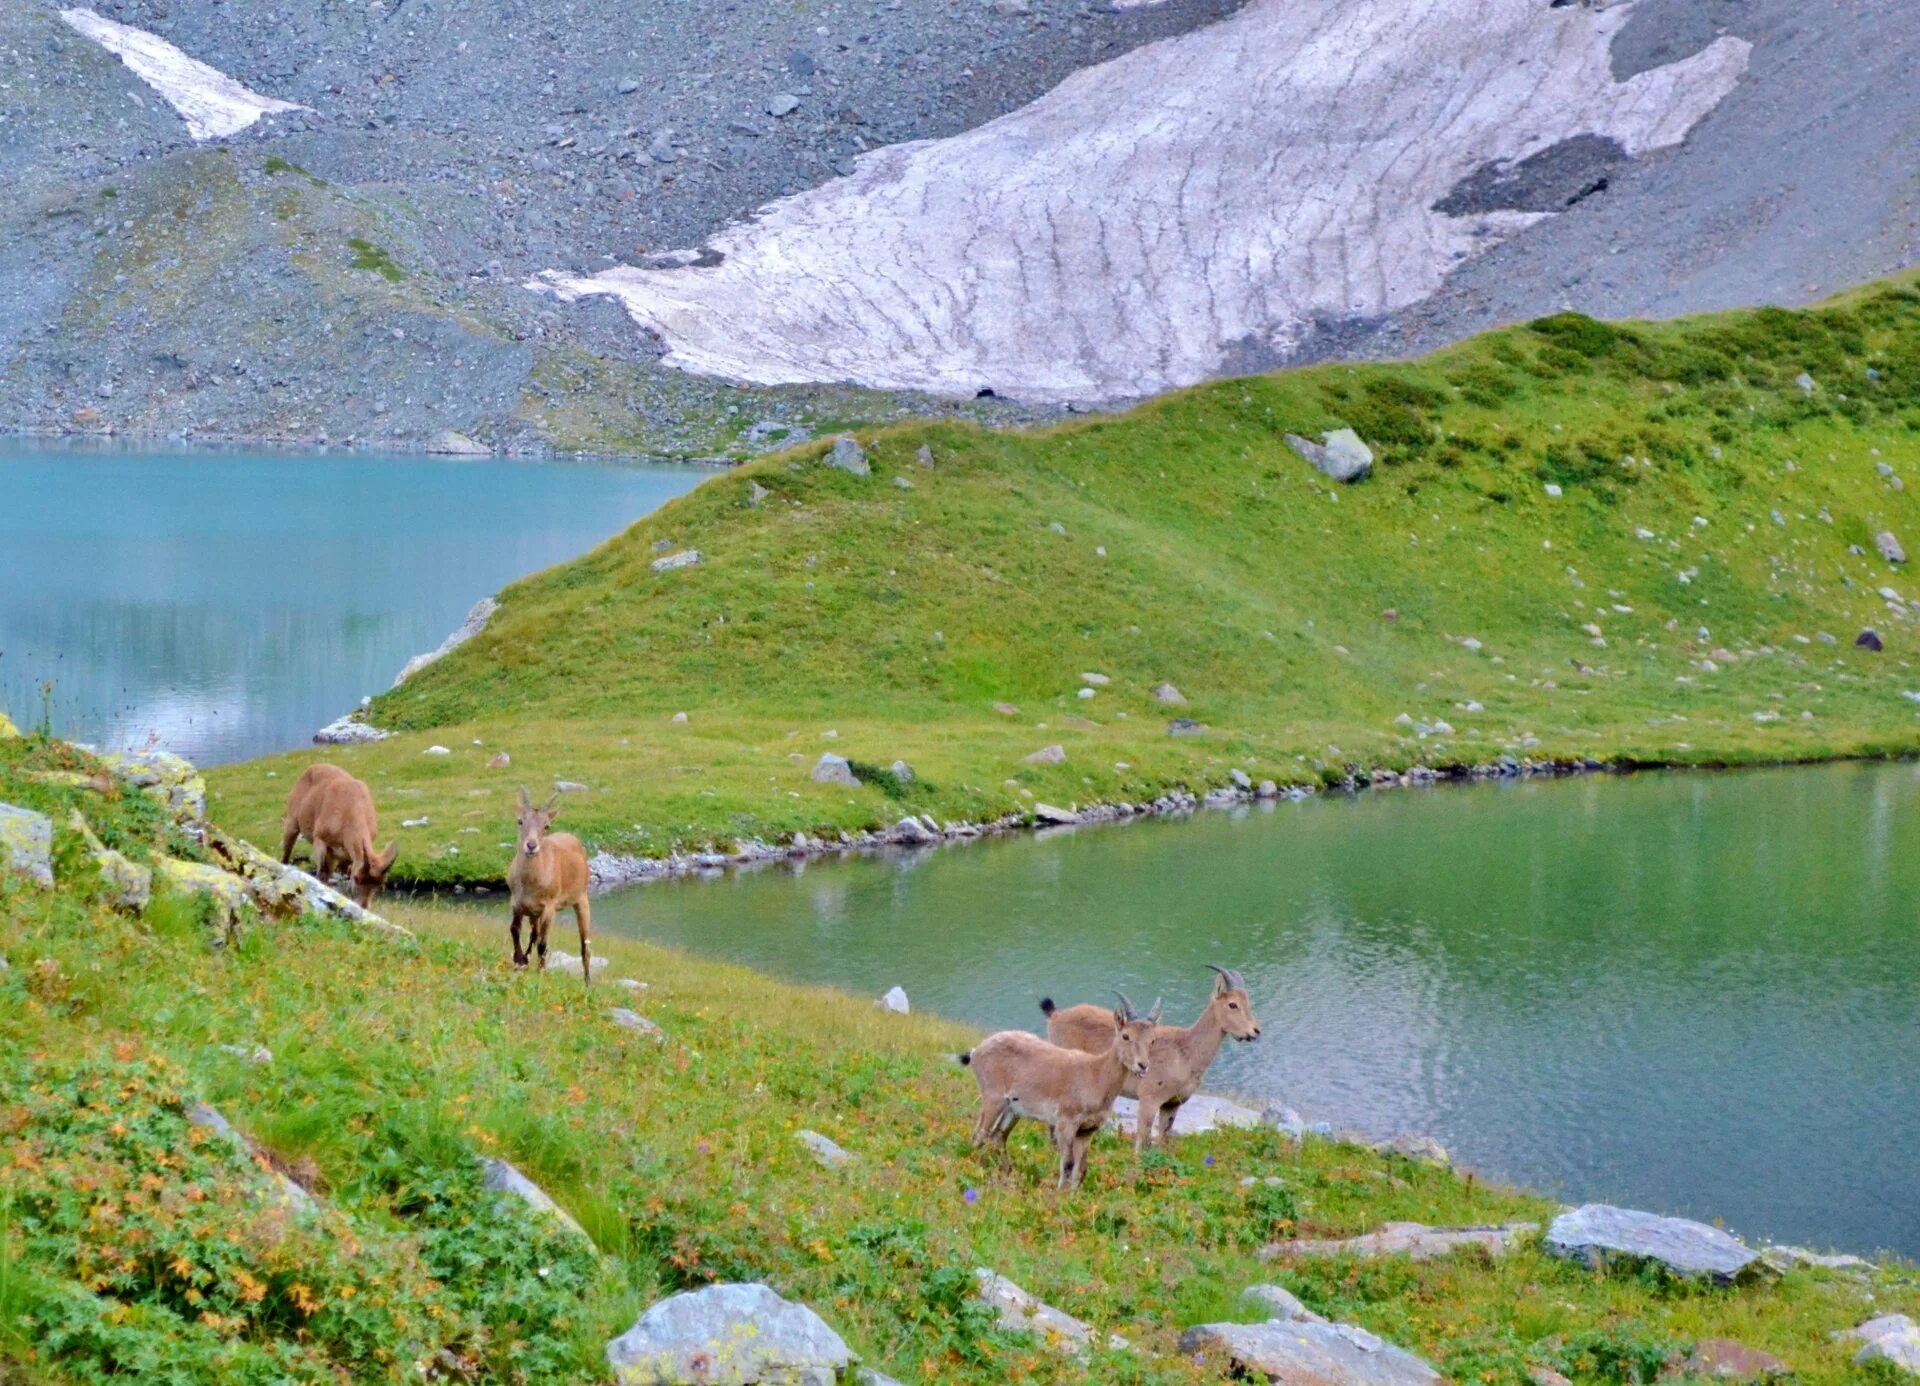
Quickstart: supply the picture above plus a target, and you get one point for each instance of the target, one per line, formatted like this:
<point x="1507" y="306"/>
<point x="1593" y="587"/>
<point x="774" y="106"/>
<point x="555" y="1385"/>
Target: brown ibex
<point x="1070" y="1092"/>
<point x="549" y="873"/>
<point x="334" y="812"/>
<point x="1180" y="1055"/>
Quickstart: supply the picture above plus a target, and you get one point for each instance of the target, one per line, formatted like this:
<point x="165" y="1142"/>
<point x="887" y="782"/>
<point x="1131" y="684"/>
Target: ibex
<point x="1070" y="1092"/>
<point x="334" y="812"/>
<point x="549" y="873"/>
<point x="1180" y="1055"/>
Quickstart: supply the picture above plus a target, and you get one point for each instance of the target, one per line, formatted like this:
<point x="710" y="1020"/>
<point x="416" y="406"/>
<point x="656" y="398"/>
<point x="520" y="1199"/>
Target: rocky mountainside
<point x="897" y="202"/>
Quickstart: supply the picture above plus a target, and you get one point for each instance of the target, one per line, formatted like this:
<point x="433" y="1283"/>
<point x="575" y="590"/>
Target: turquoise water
<point x="1695" y="993"/>
<point x="227" y="603"/>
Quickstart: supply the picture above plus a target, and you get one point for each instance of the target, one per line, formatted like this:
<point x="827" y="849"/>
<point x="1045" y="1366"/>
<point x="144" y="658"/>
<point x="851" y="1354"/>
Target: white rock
<point x="686" y="558"/>
<point x="895" y="1000"/>
<point x="436" y="751"/>
<point x="1048" y="755"/>
<point x="633" y="1020"/>
<point x="833" y="769"/>
<point x="728" y="1335"/>
<point x="1598" y="1233"/>
<point x="1201" y="1112"/>
<point x="455" y="444"/>
<point x="1281" y="1303"/>
<point x="1047" y="813"/>
<point x="847" y="454"/>
<point x="827" y="1151"/>
<point x="347" y="731"/>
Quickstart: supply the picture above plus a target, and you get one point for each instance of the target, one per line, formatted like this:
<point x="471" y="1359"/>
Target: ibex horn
<point x="1126" y="1006"/>
<point x="1154" y="1014"/>
<point x="526" y="799"/>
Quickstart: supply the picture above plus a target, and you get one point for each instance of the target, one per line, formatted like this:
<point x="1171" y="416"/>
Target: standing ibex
<point x="549" y="873"/>
<point x="334" y="812"/>
<point x="1021" y="1075"/>
<point x="1179" y="1058"/>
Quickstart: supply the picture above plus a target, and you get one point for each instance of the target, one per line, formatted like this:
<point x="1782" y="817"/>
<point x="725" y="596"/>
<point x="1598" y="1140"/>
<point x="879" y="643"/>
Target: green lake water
<point x="1690" y="992"/>
<point x="228" y="603"/>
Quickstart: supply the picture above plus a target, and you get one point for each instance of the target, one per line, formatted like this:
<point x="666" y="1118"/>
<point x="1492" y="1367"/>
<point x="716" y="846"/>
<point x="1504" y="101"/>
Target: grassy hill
<point x="1644" y="543"/>
<point x="132" y="1246"/>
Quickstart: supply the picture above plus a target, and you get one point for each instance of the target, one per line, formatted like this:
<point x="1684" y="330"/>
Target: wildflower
<point x="1209" y="1162"/>
<point x="971" y="1195"/>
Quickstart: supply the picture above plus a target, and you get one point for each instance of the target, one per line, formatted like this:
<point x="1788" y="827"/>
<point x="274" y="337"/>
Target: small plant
<point x="368" y="256"/>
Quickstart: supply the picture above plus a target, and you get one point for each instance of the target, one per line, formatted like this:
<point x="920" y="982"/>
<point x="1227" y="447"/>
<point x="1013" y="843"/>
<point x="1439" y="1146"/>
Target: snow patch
<point x="1193" y="206"/>
<point x="212" y="103"/>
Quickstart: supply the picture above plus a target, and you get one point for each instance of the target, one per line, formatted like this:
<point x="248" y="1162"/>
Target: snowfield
<point x="212" y="103"/>
<point x="1204" y="200"/>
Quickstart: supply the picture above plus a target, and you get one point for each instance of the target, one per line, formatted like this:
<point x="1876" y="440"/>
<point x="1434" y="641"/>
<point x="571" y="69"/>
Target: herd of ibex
<point x="1067" y="1082"/>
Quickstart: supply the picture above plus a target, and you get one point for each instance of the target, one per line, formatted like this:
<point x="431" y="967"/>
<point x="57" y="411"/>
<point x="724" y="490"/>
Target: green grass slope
<point x="133" y="1248"/>
<point x="1692" y="595"/>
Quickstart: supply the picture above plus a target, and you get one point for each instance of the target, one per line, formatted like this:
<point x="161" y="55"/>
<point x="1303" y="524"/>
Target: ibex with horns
<point x="1179" y="1057"/>
<point x="549" y="873"/>
<point x="1070" y="1092"/>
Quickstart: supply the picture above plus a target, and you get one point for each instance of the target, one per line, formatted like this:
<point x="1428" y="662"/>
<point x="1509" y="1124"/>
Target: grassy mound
<point x="132" y="1247"/>
<point x="1640" y="543"/>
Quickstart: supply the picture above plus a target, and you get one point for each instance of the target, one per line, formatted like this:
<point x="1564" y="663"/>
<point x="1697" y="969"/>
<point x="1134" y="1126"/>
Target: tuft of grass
<point x="368" y="256"/>
<point x="1300" y="619"/>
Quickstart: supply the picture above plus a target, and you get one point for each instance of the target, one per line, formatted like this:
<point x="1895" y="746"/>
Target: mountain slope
<point x="1646" y="543"/>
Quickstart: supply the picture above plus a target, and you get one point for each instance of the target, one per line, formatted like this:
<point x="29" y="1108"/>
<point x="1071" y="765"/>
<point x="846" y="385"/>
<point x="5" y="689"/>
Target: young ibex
<point x="1070" y="1092"/>
<point x="334" y="812"/>
<point x="1179" y="1058"/>
<point x="549" y="873"/>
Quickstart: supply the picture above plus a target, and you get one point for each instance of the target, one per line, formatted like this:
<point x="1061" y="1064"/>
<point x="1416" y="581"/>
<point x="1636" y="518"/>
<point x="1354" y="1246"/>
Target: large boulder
<point x="26" y="844"/>
<point x="1893" y="1338"/>
<point x="833" y="769"/>
<point x="169" y="778"/>
<point x="847" y="454"/>
<point x="728" y="1335"/>
<point x="1599" y="1233"/>
<point x="1414" y="1240"/>
<point x="128" y="884"/>
<point x="1201" y="1112"/>
<point x="1312" y="1354"/>
<point x="1342" y="456"/>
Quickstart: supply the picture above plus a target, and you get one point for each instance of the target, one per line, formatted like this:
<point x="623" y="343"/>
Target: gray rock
<point x="1201" y="1112"/>
<point x="728" y="1335"/>
<point x="1805" y="382"/>
<point x="1020" y="1312"/>
<point x="924" y="457"/>
<point x="782" y="103"/>
<point x="1185" y="726"/>
<point x="1600" y="1233"/>
<point x="279" y="1189"/>
<point x="1240" y="778"/>
<point x="639" y="1024"/>
<point x="1047" y="813"/>
<point x="912" y="832"/>
<point x="348" y="731"/>
<point x="26" y="843"/>
<point x="1281" y="1304"/>
<point x="1414" y="1240"/>
<point x="902" y="771"/>
<point x="827" y="1151"/>
<point x="1342" y="456"/>
<point x="1049" y="755"/>
<point x="1889" y="547"/>
<point x="1267" y="789"/>
<point x="569" y="787"/>
<point x="1893" y="1338"/>
<point x="1312" y="1354"/>
<point x="1786" y="1257"/>
<point x="686" y="558"/>
<point x="1424" y="1149"/>
<point x="849" y="456"/>
<point x="1869" y="639"/>
<point x="832" y="769"/>
<point x="1723" y="1359"/>
<point x="895" y="1000"/>
<point x="167" y="777"/>
<point x="477" y="618"/>
<point x="497" y="1176"/>
<point x="454" y="444"/>
<point x="1168" y="694"/>
<point x="756" y="493"/>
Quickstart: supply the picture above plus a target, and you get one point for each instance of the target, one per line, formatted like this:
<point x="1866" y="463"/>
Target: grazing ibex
<point x="1070" y="1092"/>
<point x="1179" y="1057"/>
<point x="334" y="812"/>
<point x="549" y="873"/>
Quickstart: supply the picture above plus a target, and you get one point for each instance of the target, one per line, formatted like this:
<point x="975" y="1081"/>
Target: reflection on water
<point x="229" y="603"/>
<point x="1695" y="993"/>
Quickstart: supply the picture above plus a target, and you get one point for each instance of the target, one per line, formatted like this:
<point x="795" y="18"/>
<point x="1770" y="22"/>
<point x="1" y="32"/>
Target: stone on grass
<point x="895" y="1000"/>
<point x="1006" y="709"/>
<point x="497" y="1176"/>
<point x="1049" y="755"/>
<point x="1048" y="814"/>
<point x="167" y="777"/>
<point x="639" y="1024"/>
<point x="478" y="615"/>
<point x="1786" y="1257"/>
<point x="902" y="771"/>
<point x="911" y="832"/>
<point x="499" y="760"/>
<point x="436" y="751"/>
<point x="1889" y="547"/>
<point x="129" y="884"/>
<point x="1805" y="382"/>
<point x="1893" y="1338"/>
<point x="26" y="844"/>
<point x="1722" y="1359"/>
<point x="728" y="1335"/>
<point x="1020" y="1312"/>
<point x="686" y="558"/>
<point x="1168" y="694"/>
<point x="1341" y="456"/>
<point x="256" y="1054"/>
<point x="825" y="1149"/>
<point x="1185" y="726"/>
<point x="1201" y="1112"/>
<point x="1869" y="640"/>
<point x="1323" y="1354"/>
<point x="1598" y="1234"/>
<point x="832" y="769"/>
<point x="849" y="456"/>
<point x="348" y="731"/>
<point x="1281" y="1304"/>
<point x="1421" y="1149"/>
<point x="228" y="892"/>
<point x="1414" y="1240"/>
<point x="279" y="1189"/>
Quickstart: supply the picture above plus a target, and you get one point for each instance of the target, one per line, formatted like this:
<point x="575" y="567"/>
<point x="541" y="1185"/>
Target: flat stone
<point x="832" y="769"/>
<point x="1889" y="547"/>
<point x="478" y="615"/>
<point x="26" y="844"/>
<point x="895" y="1000"/>
<point x="1342" y="456"/>
<point x="348" y="731"/>
<point x="1788" y="1256"/>
<point x="1168" y="694"/>
<point x="1722" y="1359"/>
<point x="1414" y="1240"/>
<point x="455" y="444"/>
<point x="1186" y="726"/>
<point x="497" y="1176"/>
<point x="278" y="1189"/>
<point x="633" y="1020"/>
<point x="1281" y="1304"/>
<point x="1599" y="1233"/>
<point x="728" y="1335"/>
<point x="1048" y="813"/>
<point x="228" y="892"/>
<point x="1020" y="1312"/>
<point x="1310" y="1354"/>
<point x="847" y="454"/>
<point x="167" y="777"/>
<point x="1201" y="1112"/>
<point x="1048" y="755"/>
<point x="826" y="1150"/>
<point x="129" y="885"/>
<point x="686" y="558"/>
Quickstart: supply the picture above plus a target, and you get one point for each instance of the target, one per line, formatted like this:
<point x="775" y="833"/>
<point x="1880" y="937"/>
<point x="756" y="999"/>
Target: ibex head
<point x="534" y="822"/>
<point x="1134" y="1036"/>
<point x="1235" y="1007"/>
